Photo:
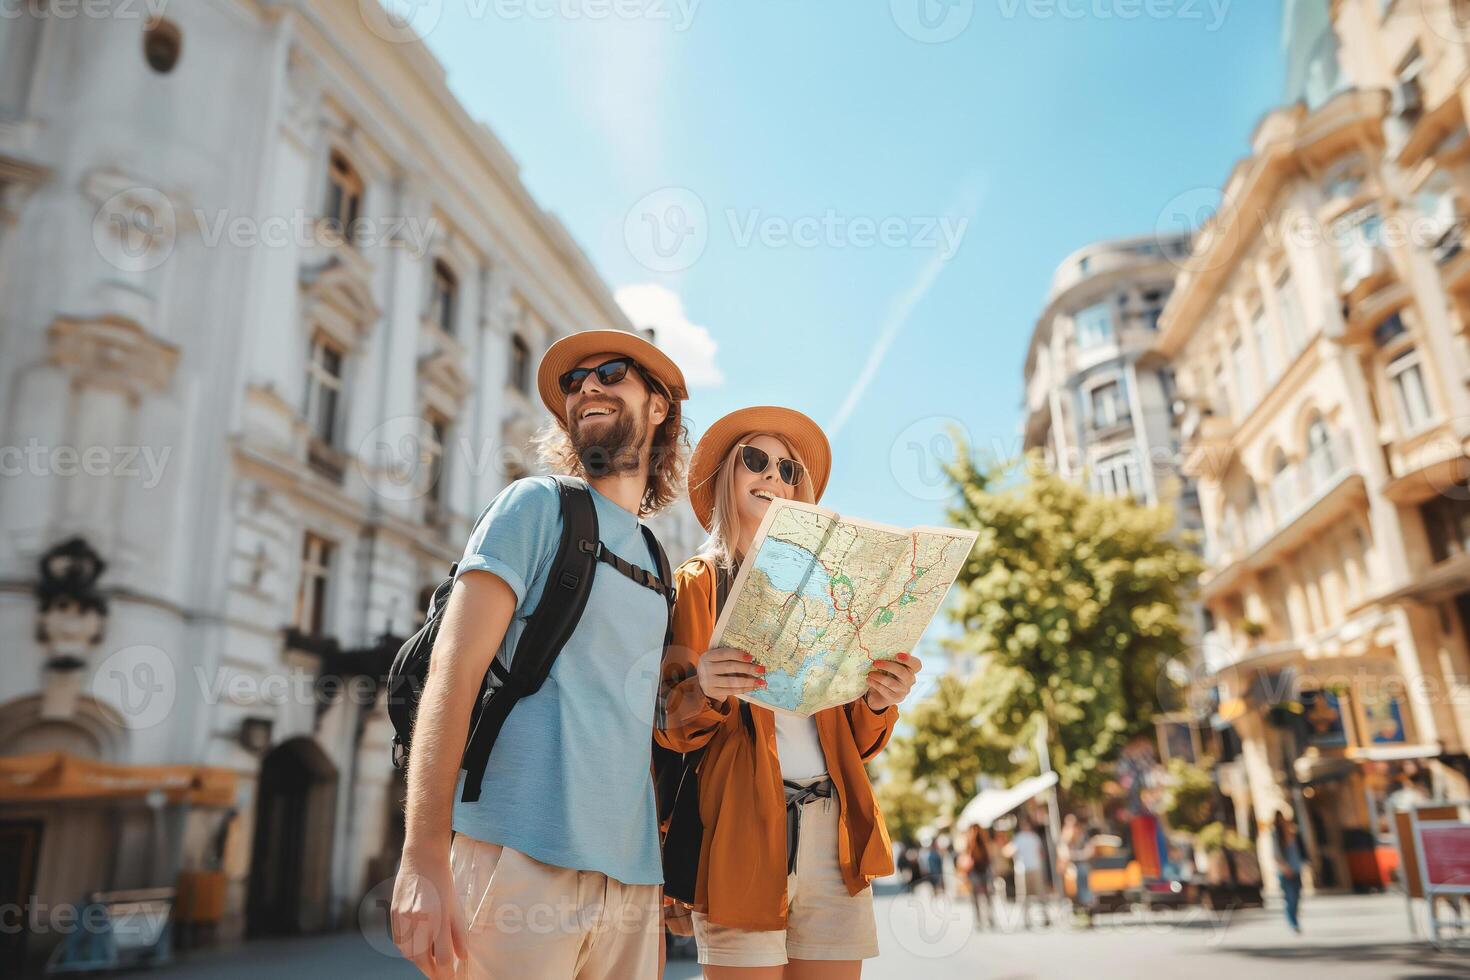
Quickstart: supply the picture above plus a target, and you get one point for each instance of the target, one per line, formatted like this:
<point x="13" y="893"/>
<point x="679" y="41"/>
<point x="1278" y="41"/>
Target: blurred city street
<point x="1344" y="937"/>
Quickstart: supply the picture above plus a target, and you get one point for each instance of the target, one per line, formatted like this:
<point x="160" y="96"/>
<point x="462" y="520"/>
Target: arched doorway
<point x="291" y="860"/>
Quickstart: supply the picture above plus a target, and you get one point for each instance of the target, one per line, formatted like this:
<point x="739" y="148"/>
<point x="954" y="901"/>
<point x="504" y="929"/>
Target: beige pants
<point x="823" y="922"/>
<point x="528" y="921"/>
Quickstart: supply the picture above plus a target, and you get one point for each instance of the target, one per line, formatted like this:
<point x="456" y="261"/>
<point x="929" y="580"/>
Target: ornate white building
<point x="270" y="308"/>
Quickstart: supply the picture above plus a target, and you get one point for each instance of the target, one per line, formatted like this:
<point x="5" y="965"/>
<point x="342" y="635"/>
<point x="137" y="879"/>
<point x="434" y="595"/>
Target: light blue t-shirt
<point x="568" y="782"/>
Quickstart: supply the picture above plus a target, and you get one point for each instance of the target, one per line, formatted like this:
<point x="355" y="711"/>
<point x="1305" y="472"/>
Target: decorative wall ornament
<point x="72" y="612"/>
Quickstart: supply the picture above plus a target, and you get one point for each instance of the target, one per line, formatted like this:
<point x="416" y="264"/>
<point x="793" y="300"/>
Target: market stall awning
<point x="47" y="776"/>
<point x="992" y="804"/>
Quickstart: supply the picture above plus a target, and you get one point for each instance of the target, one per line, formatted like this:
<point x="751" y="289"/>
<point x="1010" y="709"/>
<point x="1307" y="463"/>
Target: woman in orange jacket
<point x="792" y="836"/>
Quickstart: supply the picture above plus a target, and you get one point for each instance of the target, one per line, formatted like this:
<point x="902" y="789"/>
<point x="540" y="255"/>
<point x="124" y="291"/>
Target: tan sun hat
<point x="564" y="355"/>
<point x="804" y="436"/>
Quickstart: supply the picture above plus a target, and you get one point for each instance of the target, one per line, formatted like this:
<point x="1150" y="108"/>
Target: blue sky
<point x="799" y="127"/>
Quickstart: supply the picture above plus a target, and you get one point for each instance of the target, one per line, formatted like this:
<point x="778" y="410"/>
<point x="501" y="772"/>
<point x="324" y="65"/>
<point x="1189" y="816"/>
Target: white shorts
<point x="823" y="922"/>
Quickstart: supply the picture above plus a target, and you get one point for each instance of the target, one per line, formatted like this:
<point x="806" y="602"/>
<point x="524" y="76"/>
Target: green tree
<point x="1189" y="798"/>
<point x="1071" y="600"/>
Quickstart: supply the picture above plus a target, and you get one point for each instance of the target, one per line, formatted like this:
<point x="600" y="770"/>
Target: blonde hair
<point x="724" y="524"/>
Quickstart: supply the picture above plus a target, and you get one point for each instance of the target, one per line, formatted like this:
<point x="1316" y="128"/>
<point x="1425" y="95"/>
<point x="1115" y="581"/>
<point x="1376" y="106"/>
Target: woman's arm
<point x="871" y="729"/>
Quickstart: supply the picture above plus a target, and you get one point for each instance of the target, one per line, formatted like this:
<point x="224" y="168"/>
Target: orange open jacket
<point x="742" y="863"/>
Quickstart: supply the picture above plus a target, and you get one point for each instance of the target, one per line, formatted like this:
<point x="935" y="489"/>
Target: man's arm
<point x="475" y="620"/>
<point x="428" y="923"/>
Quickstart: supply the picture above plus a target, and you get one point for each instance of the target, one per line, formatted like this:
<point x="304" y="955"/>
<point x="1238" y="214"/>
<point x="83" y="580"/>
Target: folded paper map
<point x="824" y="596"/>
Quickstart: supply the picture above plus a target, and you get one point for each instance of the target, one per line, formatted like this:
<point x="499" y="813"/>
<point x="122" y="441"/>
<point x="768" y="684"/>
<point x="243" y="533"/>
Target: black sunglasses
<point x="756" y="460"/>
<point x="608" y="374"/>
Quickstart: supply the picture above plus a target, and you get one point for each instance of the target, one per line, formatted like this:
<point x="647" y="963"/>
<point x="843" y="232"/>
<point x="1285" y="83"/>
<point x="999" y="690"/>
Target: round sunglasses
<point x="608" y="373"/>
<point x="757" y="460"/>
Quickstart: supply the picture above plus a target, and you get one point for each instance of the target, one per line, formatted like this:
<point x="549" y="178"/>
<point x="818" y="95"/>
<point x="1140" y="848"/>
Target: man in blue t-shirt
<point x="554" y="871"/>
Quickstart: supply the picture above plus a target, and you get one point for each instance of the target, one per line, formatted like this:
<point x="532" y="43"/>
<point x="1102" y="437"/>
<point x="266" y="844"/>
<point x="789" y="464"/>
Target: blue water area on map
<point x="786" y="564"/>
<point x="783" y="688"/>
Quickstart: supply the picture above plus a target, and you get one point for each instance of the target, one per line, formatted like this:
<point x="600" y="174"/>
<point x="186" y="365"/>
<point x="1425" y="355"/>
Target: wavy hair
<point x="668" y="456"/>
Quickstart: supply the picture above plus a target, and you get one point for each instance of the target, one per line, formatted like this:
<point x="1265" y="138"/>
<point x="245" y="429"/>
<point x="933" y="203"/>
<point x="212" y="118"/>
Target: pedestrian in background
<point x="1289" y="866"/>
<point x="1074" y="853"/>
<point x="977" y="860"/>
<point x="1029" y="855"/>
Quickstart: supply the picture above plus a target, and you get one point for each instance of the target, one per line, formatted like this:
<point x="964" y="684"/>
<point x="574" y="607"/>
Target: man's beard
<point x="608" y="449"/>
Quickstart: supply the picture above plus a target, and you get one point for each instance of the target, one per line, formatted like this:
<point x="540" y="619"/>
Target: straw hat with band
<point x="803" y="435"/>
<point x="567" y="352"/>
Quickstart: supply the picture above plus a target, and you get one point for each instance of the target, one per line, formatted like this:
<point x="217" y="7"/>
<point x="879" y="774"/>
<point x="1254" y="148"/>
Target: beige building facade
<point x="1319" y="338"/>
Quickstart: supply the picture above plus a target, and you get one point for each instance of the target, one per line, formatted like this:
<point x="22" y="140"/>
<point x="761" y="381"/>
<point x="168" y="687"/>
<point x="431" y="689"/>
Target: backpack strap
<point x="563" y="598"/>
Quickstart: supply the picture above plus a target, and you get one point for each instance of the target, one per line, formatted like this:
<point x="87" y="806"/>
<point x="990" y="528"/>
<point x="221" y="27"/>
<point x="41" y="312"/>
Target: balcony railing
<point x="1293" y="491"/>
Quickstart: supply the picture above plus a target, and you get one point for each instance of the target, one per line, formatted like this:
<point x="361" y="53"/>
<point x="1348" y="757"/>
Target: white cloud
<point x="652" y="306"/>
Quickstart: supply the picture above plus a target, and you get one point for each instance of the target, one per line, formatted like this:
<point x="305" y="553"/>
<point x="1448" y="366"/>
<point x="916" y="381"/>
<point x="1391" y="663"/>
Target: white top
<point x="798" y="747"/>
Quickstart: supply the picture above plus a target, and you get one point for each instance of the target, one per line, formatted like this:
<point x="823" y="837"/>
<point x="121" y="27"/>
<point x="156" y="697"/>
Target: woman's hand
<point x="724" y="671"/>
<point x="889" y="681"/>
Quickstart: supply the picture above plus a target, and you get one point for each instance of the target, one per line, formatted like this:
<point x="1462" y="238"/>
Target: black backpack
<point x="563" y="599"/>
<point x="676" y="781"/>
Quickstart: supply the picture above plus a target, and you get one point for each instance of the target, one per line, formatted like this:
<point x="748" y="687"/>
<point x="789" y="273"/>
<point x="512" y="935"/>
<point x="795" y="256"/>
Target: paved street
<point x="1346" y="937"/>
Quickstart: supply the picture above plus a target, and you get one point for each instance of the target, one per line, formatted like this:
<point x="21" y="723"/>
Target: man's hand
<point x="724" y="671"/>
<point x="889" y="681"/>
<point x="427" y="922"/>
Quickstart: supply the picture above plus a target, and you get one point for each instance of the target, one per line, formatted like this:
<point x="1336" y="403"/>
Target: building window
<point x="442" y="291"/>
<point x="344" y="197"/>
<point x="1117" y="476"/>
<point x="1245" y="380"/>
<point x="1407" y="379"/>
<point x="1447" y="523"/>
<point x="1265" y="345"/>
<point x="1392" y="327"/>
<point x="434" y="463"/>
<point x="1321" y="458"/>
<point x="520" y="363"/>
<point x="1435" y="201"/>
<point x="311" y="594"/>
<point x="20" y="40"/>
<point x="1283" y="495"/>
<point x="1221" y="394"/>
<point x="1108" y="406"/>
<point x="1291" y="316"/>
<point x="1094" y="326"/>
<point x="323" y="388"/>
